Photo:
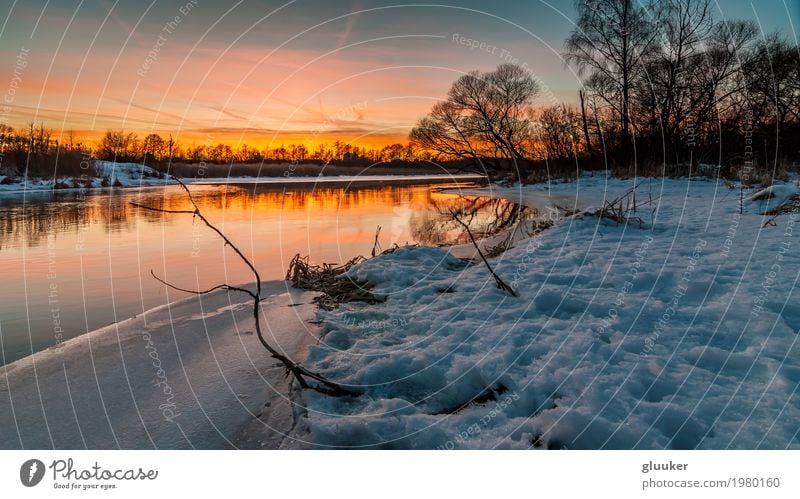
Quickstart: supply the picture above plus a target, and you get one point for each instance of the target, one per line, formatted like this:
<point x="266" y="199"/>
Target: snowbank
<point x="110" y="174"/>
<point x="774" y="196"/>
<point x="188" y="375"/>
<point x="130" y="174"/>
<point x="683" y="335"/>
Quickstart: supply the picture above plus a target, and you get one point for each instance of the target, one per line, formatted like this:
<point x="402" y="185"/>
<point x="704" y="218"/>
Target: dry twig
<point x="615" y="210"/>
<point x="376" y="247"/>
<point x="792" y="205"/>
<point x="500" y="284"/>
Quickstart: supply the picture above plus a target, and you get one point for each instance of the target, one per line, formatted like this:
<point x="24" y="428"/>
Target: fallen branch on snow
<point x="300" y="373"/>
<point x="500" y="284"/>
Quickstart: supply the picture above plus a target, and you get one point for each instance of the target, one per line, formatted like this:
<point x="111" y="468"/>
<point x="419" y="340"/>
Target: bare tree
<point x="719" y="95"/>
<point x="153" y="146"/>
<point x="118" y="146"/>
<point x="609" y="42"/>
<point x="445" y="132"/>
<point x="559" y="132"/>
<point x="485" y="118"/>
<point x="665" y="93"/>
<point x="585" y="126"/>
<point x="772" y="80"/>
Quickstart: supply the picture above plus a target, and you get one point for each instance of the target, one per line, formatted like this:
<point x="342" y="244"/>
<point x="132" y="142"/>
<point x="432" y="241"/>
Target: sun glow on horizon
<point x="269" y="74"/>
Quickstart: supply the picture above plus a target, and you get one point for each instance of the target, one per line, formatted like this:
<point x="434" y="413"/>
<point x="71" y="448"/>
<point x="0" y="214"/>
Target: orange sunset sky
<point x="275" y="72"/>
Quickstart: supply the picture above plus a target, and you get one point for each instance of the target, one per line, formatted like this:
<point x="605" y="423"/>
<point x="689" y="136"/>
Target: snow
<point x="680" y="335"/>
<point x="188" y="375"/>
<point x="138" y="175"/>
<point x="775" y="195"/>
<point x="129" y="174"/>
<point x="117" y="175"/>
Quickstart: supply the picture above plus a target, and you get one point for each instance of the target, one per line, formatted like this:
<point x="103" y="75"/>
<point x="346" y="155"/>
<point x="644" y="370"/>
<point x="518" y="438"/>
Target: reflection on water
<point x="485" y="216"/>
<point x="71" y="262"/>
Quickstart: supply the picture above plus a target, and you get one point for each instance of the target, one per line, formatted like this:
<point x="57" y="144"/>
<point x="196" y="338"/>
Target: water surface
<point x="74" y="261"/>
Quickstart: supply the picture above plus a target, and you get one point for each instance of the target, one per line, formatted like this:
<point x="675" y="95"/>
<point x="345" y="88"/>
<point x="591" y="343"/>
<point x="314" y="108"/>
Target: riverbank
<point x="189" y="375"/>
<point x="677" y="330"/>
<point x="105" y="174"/>
<point x="110" y="175"/>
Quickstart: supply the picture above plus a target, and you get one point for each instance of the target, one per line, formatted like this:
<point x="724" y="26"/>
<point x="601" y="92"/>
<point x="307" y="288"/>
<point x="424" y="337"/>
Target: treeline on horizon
<point x="33" y="150"/>
<point x="667" y="87"/>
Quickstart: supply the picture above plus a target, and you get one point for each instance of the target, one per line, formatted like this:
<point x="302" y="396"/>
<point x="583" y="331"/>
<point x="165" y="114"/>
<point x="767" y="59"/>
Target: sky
<point x="277" y="72"/>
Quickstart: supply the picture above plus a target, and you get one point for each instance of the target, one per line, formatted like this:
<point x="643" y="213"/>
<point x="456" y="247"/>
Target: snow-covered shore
<point x="681" y="333"/>
<point x="115" y="175"/>
<point x="110" y="175"/>
<point x="188" y="375"/>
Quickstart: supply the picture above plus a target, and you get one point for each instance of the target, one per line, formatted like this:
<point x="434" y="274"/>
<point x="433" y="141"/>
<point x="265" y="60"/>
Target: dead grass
<point x="624" y="209"/>
<point x="792" y="205"/>
<point x="329" y="279"/>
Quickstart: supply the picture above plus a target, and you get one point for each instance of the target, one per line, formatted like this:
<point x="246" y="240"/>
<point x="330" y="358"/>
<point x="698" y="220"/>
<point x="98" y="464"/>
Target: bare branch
<point x="376" y="247"/>
<point x="162" y="210"/>
<point x="500" y="284"/>
<point x="204" y="292"/>
<point x="300" y="373"/>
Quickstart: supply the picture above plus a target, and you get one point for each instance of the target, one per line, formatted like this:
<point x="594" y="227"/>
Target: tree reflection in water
<point x="98" y="251"/>
<point x="485" y="217"/>
<point x="28" y="220"/>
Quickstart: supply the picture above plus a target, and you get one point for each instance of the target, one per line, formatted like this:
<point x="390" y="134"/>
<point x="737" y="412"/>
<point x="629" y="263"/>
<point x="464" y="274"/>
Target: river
<point x="74" y="261"/>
